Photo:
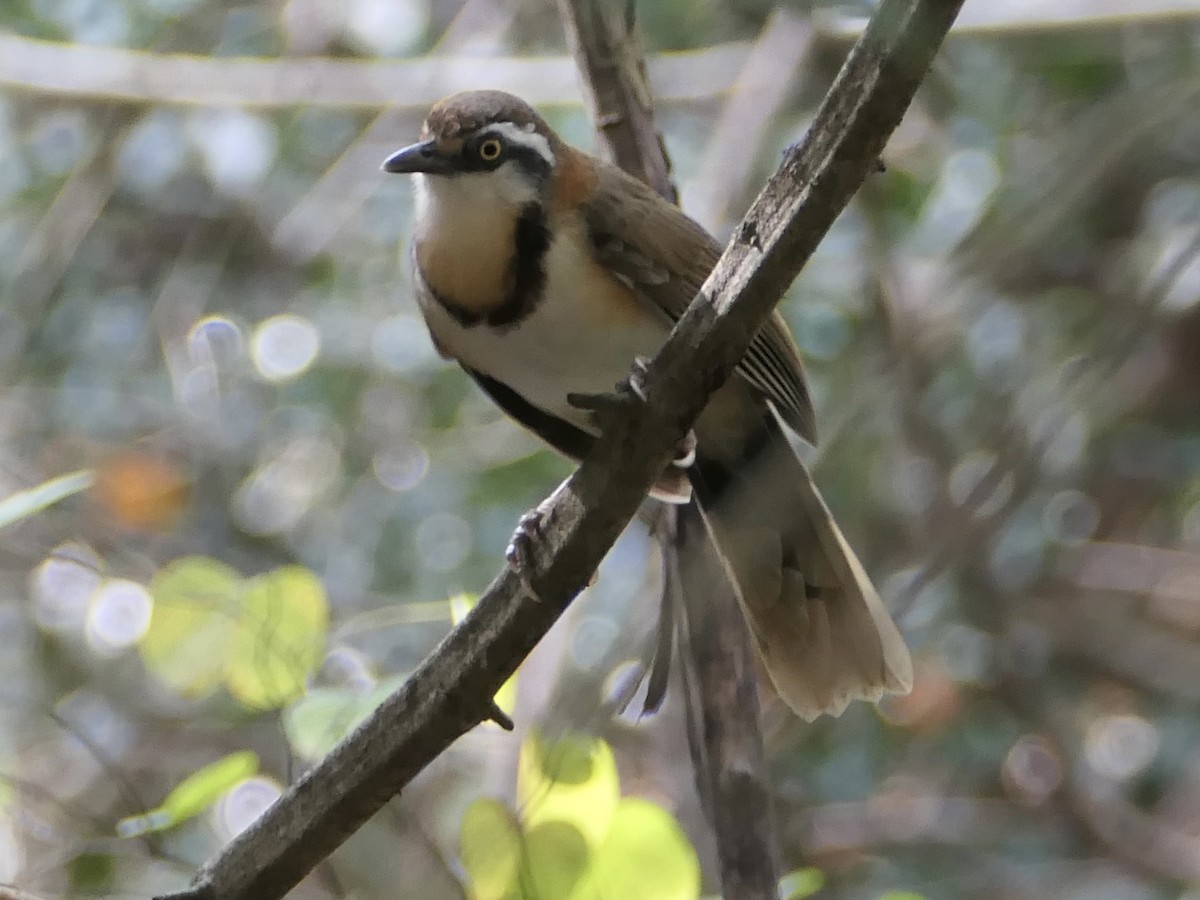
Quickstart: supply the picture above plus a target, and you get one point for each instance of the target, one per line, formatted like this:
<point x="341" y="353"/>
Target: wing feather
<point x="665" y="257"/>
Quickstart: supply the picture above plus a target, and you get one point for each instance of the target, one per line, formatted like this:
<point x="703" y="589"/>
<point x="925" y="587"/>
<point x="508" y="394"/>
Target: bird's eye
<point x="489" y="150"/>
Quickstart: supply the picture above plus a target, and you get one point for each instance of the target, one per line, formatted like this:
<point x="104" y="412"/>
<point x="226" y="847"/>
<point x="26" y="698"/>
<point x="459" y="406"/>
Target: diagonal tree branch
<point x="452" y="689"/>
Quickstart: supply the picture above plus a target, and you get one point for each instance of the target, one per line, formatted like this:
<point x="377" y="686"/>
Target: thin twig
<point x="451" y="691"/>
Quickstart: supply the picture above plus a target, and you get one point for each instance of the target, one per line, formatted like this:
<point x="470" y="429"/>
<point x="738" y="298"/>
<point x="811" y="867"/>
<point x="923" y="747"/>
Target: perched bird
<point x="545" y="272"/>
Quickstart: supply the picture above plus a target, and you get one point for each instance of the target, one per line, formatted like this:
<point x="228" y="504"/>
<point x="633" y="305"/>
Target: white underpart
<point x="567" y="345"/>
<point x="468" y="198"/>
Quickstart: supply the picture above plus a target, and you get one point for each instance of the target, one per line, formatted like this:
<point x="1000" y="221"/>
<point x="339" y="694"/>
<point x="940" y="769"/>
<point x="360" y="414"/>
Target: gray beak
<point x="423" y="157"/>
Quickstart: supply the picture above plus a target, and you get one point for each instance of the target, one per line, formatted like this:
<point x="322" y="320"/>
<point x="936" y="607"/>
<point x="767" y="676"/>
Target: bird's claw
<point x="638" y="373"/>
<point x="519" y="552"/>
<point x="615" y="402"/>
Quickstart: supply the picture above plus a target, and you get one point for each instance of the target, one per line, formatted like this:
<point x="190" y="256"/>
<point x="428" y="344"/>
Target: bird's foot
<point x="519" y="552"/>
<point x="602" y="409"/>
<point x="631" y="390"/>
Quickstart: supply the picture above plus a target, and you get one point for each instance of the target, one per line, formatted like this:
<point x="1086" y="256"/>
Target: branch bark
<point x="732" y="769"/>
<point x="451" y="690"/>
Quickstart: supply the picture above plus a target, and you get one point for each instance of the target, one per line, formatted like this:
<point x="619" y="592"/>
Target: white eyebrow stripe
<point x="524" y="137"/>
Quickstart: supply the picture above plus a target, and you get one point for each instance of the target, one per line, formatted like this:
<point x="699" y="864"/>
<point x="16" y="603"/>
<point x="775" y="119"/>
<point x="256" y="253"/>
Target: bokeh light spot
<point x="242" y="804"/>
<point x="238" y="148"/>
<point x="1121" y="746"/>
<point x="1032" y="770"/>
<point x="285" y="346"/>
<point x="401" y="468"/>
<point x="217" y="341"/>
<point x="966" y="652"/>
<point x="63" y="585"/>
<point x="387" y="27"/>
<point x="118" y="617"/>
<point x="153" y="152"/>
<point x="1071" y="517"/>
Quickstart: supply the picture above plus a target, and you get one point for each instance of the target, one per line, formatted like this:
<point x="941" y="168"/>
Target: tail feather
<point x="819" y="625"/>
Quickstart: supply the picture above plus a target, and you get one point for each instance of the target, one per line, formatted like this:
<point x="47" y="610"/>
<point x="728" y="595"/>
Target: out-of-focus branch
<point x="725" y="738"/>
<point x="609" y="56"/>
<point x="757" y="97"/>
<point x="131" y="75"/>
<point x="12" y="893"/>
<point x="451" y="691"/>
<point x="1004" y="19"/>
<point x="732" y="769"/>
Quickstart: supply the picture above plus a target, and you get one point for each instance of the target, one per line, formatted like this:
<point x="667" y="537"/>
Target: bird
<point x="545" y="273"/>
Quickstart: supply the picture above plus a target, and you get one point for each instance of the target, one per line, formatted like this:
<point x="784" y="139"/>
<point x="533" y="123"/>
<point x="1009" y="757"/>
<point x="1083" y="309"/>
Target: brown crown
<point x="460" y="114"/>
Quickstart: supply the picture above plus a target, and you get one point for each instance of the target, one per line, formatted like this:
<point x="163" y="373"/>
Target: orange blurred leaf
<point x="141" y="491"/>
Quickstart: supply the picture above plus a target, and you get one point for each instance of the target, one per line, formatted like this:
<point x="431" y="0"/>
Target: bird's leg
<point x="604" y="406"/>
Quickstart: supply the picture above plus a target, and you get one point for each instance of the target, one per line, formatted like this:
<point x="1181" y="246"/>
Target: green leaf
<point x="645" y="856"/>
<point x="279" y="637"/>
<point x="901" y="895"/>
<point x="316" y="722"/>
<point x="577" y="839"/>
<point x="801" y="883"/>
<point x="24" y="504"/>
<point x="555" y="859"/>
<point x="194" y="794"/>
<point x="489" y="843"/>
<point x="573" y="779"/>
<point x="192" y="623"/>
<point x="262" y="638"/>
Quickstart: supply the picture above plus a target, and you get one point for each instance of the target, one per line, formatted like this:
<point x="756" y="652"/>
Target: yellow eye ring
<point x="489" y="150"/>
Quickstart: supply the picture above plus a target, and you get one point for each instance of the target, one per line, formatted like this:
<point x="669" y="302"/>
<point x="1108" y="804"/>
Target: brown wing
<point x="665" y="257"/>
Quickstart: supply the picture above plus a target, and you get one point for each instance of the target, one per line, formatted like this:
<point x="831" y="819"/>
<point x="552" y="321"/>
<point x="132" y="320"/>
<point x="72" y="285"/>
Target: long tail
<point x="818" y="623"/>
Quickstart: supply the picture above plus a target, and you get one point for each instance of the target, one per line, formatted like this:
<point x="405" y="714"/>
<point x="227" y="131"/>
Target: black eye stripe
<point x="529" y="160"/>
<point x="472" y="158"/>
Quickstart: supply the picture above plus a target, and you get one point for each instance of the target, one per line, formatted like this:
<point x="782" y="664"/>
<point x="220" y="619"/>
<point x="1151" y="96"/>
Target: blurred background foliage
<point x="276" y="493"/>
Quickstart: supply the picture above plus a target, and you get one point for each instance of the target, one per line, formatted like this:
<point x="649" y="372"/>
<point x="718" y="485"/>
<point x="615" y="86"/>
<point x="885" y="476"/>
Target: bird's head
<point x="483" y="148"/>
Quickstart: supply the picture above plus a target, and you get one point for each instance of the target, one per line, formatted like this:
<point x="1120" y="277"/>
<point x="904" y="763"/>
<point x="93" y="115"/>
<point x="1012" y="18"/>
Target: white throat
<point x="458" y="201"/>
